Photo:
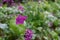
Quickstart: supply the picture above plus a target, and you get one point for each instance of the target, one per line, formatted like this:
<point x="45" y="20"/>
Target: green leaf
<point x="18" y="29"/>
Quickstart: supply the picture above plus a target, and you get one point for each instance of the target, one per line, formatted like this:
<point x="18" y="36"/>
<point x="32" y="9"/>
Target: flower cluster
<point x="9" y="2"/>
<point x="0" y="5"/>
<point x="28" y="34"/>
<point x="21" y="8"/>
<point x="20" y="19"/>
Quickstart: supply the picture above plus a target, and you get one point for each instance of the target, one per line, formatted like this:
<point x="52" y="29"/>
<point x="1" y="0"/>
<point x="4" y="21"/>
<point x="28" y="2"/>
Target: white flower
<point x="3" y="26"/>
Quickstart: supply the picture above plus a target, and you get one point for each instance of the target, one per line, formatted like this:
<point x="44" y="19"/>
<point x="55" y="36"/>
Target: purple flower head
<point x="21" y="8"/>
<point x="20" y="19"/>
<point x="13" y="4"/>
<point x="0" y="5"/>
<point x="9" y="2"/>
<point x="5" y="0"/>
<point x="28" y="34"/>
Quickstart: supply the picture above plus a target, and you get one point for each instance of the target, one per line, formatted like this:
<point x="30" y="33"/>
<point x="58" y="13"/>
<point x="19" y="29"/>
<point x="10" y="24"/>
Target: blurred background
<point x="41" y="17"/>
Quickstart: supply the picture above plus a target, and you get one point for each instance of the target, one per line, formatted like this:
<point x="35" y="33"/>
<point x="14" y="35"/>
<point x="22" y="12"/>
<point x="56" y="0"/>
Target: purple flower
<point x="0" y="5"/>
<point x="20" y="19"/>
<point x="13" y="4"/>
<point x="21" y="8"/>
<point x="5" y="0"/>
<point x="28" y="34"/>
<point x="9" y="2"/>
